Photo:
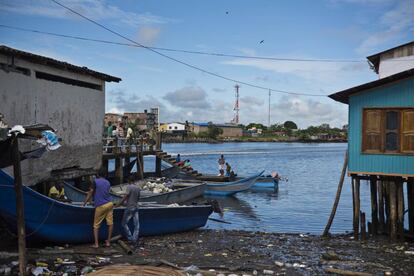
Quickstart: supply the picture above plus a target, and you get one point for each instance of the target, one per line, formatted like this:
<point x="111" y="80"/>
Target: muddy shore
<point x="235" y="252"/>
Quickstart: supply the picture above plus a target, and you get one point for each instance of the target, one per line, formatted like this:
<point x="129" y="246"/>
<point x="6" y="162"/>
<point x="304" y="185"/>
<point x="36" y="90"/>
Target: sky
<point x="323" y="29"/>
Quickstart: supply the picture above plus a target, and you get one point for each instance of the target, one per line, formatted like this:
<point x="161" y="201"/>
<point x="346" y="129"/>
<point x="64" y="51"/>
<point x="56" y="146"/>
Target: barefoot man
<point x="103" y="207"/>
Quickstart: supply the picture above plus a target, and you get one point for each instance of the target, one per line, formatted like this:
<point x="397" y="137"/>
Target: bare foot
<point x="107" y="243"/>
<point x="95" y="246"/>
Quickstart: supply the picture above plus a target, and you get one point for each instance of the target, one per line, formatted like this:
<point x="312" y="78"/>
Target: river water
<point x="302" y="204"/>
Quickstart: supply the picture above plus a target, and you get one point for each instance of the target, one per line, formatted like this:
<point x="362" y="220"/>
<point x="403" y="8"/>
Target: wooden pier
<point x="122" y="150"/>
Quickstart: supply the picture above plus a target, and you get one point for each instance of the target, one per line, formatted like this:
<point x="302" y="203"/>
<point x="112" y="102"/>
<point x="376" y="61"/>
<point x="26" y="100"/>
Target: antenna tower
<point x="236" y="106"/>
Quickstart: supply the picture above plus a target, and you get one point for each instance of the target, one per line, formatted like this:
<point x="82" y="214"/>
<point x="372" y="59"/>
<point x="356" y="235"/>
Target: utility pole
<point x="268" y="119"/>
<point x="236" y="106"/>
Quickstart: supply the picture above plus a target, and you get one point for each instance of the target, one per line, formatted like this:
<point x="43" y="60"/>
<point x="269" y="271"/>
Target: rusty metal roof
<point x="343" y="96"/>
<point x="56" y="63"/>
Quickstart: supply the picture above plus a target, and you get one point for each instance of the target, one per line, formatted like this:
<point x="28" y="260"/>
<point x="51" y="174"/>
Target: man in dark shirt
<point x="131" y="211"/>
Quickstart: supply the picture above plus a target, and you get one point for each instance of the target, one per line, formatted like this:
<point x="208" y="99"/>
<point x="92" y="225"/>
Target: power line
<point x="185" y="63"/>
<point x="182" y="50"/>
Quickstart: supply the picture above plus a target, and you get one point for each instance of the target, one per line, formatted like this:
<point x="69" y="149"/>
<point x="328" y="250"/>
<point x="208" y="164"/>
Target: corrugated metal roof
<point x="343" y="96"/>
<point x="56" y="63"/>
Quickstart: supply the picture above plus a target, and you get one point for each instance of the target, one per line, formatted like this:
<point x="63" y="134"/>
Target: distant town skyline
<point x="328" y="29"/>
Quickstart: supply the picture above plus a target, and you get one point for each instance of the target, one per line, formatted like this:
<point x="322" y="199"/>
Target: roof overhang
<point x="56" y="64"/>
<point x="343" y="96"/>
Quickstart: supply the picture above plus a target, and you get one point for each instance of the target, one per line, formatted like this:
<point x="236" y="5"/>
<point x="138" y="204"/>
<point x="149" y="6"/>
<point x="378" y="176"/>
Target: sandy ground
<point x="231" y="252"/>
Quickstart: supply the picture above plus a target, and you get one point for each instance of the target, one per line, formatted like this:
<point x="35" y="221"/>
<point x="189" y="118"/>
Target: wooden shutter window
<point x="372" y="131"/>
<point x="407" y="131"/>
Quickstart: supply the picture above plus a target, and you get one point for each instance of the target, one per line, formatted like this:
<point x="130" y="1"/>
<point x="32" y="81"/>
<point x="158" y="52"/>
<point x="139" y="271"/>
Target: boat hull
<point x="231" y="188"/>
<point x="53" y="221"/>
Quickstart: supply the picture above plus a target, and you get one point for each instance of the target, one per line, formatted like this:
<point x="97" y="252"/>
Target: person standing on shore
<point x="103" y="207"/>
<point x="221" y="163"/>
<point x="131" y="211"/>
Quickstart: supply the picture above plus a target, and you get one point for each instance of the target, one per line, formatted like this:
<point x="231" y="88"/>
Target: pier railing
<point x="135" y="144"/>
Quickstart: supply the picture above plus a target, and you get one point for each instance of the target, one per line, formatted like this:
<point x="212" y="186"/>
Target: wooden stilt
<point x="381" y="218"/>
<point x="158" y="166"/>
<point x="400" y="208"/>
<point x="363" y="227"/>
<point x="393" y="209"/>
<point x="356" y="204"/>
<point x="386" y="193"/>
<point x="119" y="177"/>
<point x="374" y="206"/>
<point x="410" y="201"/>
<point x="105" y="166"/>
<point x="21" y="230"/>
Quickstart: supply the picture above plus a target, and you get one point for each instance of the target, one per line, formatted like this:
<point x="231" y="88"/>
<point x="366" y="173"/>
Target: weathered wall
<point x="398" y="94"/>
<point x="76" y="113"/>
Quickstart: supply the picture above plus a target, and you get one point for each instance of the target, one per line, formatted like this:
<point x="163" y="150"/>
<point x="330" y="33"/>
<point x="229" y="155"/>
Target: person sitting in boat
<point x="181" y="163"/>
<point x="228" y="169"/>
<point x="131" y="211"/>
<point x="275" y="176"/>
<point x="232" y="176"/>
<point x="178" y="158"/>
<point x="57" y="191"/>
<point x="187" y="164"/>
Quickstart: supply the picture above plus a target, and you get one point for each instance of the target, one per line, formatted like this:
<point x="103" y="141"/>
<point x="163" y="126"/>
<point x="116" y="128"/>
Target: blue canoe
<point x="231" y="188"/>
<point x="53" y="221"/>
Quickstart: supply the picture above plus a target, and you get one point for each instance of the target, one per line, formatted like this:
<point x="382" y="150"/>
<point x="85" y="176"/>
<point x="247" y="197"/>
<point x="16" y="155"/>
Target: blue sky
<point x="325" y="29"/>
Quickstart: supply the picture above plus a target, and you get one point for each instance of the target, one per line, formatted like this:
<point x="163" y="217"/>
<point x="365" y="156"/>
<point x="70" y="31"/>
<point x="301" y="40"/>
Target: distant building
<point x="173" y="127"/>
<point x="112" y="117"/>
<point x="229" y="130"/>
<point x="145" y="120"/>
<point x="69" y="98"/>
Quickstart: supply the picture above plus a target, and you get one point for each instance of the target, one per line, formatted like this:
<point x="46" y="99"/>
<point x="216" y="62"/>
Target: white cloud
<point x="94" y="9"/>
<point x="396" y="23"/>
<point x="188" y="97"/>
<point x="147" y="35"/>
<point x="252" y="101"/>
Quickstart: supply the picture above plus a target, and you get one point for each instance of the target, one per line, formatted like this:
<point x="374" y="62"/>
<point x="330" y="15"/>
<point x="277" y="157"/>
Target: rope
<point x="41" y="224"/>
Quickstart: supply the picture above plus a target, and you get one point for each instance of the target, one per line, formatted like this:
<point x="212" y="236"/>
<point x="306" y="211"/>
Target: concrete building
<point x="146" y="120"/>
<point x="174" y="127"/>
<point x="69" y="98"/>
<point x="229" y="130"/>
<point x="112" y="117"/>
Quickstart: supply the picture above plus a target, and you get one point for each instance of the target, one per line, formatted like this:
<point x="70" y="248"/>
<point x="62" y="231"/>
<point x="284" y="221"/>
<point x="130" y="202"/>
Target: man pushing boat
<point x="103" y="207"/>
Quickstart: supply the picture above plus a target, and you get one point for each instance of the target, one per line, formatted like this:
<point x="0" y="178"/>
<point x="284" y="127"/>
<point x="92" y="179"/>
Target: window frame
<point x="383" y="131"/>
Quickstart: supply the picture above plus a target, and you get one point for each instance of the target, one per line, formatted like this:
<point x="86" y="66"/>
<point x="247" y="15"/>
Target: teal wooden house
<point x="381" y="139"/>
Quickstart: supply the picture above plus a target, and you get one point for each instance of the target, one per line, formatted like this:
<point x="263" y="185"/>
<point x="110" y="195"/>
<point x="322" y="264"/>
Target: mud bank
<point x="239" y="252"/>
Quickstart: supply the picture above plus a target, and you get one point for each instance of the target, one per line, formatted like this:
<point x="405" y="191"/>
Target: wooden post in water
<point x="410" y="201"/>
<point x="374" y="206"/>
<point x="386" y="192"/>
<point x="393" y="209"/>
<point x="381" y="218"/>
<point x="356" y="205"/>
<point x="363" y="227"/>
<point x="400" y="207"/>
<point x="21" y="230"/>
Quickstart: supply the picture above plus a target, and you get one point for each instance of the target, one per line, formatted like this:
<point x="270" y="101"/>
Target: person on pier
<point x="221" y="163"/>
<point x="131" y="212"/>
<point x="100" y="190"/>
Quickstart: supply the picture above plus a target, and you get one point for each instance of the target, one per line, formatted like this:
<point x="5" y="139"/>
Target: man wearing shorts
<point x="103" y="207"/>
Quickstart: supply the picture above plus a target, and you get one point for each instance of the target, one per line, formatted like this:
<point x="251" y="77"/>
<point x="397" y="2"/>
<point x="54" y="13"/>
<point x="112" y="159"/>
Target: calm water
<point x="302" y="204"/>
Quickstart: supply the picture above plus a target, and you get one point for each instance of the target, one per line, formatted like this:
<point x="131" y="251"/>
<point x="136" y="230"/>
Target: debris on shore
<point x="223" y="252"/>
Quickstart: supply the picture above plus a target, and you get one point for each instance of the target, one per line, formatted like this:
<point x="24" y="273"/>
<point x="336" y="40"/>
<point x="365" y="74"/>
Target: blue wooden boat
<point x="266" y="183"/>
<point x="231" y="188"/>
<point x="53" y="221"/>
